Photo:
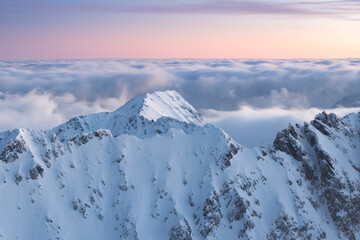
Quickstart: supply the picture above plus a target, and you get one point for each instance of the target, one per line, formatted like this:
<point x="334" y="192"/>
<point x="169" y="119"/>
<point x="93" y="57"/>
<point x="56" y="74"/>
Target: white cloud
<point x="254" y="126"/>
<point x="43" y="110"/>
<point x="249" y="96"/>
<point x="220" y="84"/>
<point x="30" y="110"/>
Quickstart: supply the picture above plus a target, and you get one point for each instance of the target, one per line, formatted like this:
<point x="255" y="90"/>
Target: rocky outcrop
<point x="12" y="150"/>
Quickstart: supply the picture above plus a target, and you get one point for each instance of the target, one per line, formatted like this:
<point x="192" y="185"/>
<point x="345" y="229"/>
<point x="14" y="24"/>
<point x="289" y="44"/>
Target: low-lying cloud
<point x="244" y="93"/>
<point x="44" y="110"/>
<point x="219" y="84"/>
<point x="255" y="127"/>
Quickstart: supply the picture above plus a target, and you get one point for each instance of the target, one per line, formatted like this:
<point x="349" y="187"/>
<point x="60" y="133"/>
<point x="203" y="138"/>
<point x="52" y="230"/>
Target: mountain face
<point x="153" y="170"/>
<point x="349" y="101"/>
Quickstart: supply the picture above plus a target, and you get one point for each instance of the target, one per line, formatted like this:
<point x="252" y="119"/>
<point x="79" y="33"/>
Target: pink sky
<point x="77" y="33"/>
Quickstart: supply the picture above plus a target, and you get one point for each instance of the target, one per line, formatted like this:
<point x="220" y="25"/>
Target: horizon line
<point x="178" y="58"/>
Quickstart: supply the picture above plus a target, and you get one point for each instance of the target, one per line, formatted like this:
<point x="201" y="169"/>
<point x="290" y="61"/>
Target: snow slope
<point x="152" y="170"/>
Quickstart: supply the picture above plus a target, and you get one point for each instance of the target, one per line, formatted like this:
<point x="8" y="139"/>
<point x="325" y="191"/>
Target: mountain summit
<point x="141" y="116"/>
<point x="152" y="170"/>
<point x="162" y="104"/>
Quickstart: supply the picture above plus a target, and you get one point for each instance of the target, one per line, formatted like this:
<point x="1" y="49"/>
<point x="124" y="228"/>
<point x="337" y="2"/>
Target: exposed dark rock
<point x="330" y="120"/>
<point x="180" y="232"/>
<point x="209" y="216"/>
<point x="309" y="170"/>
<point x="49" y="220"/>
<point x="18" y="178"/>
<point x="53" y="138"/>
<point x="12" y="150"/>
<point x="287" y="228"/>
<point x="324" y="122"/>
<point x="36" y="171"/>
<point x="101" y="133"/>
<point x="83" y="211"/>
<point x="310" y="135"/>
<point x="235" y="204"/>
<point x="326" y="164"/>
<point x="245" y="228"/>
<point x="233" y="150"/>
<point x="286" y="141"/>
<point x="76" y="205"/>
<point x="321" y="127"/>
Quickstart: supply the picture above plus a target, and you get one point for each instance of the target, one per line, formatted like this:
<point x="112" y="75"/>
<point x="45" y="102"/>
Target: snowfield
<point x="153" y="170"/>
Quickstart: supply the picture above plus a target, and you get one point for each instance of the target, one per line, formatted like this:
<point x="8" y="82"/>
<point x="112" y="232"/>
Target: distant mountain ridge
<point x="153" y="170"/>
<point x="349" y="101"/>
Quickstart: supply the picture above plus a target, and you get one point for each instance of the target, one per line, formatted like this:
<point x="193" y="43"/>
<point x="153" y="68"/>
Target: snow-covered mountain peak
<point x="143" y="116"/>
<point x="95" y="171"/>
<point x="154" y="105"/>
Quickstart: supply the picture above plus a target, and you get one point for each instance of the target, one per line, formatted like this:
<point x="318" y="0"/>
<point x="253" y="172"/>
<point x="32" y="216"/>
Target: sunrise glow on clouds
<point x="179" y="29"/>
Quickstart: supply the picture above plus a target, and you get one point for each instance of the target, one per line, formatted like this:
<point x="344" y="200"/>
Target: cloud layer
<point x="219" y="84"/>
<point x="42" y="94"/>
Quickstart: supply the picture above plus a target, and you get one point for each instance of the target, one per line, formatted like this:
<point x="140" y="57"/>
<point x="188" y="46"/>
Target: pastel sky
<point x="179" y="29"/>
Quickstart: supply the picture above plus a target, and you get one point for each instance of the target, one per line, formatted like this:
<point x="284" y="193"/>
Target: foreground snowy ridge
<point x="153" y="170"/>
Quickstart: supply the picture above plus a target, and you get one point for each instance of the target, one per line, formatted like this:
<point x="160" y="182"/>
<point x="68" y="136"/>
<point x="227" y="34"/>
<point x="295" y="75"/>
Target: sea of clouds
<point x="251" y="99"/>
